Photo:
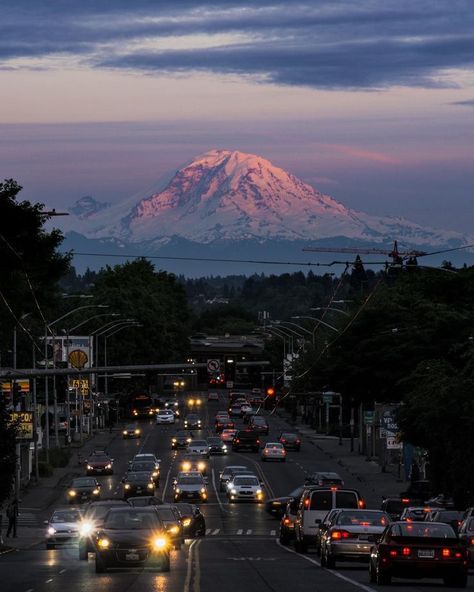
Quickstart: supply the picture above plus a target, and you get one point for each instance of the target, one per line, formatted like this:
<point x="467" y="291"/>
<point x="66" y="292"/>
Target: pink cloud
<point x="365" y="154"/>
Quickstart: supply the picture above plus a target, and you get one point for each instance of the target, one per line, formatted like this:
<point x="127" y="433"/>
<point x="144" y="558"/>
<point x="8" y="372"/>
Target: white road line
<point x="30" y="590"/>
<point x="221" y="505"/>
<point x="208" y="531"/>
<point x="240" y="531"/>
<point x="189" y="568"/>
<point x="197" y="569"/>
<point x="249" y="531"/>
<point x="167" y="480"/>
<point x="330" y="571"/>
<point x="62" y="571"/>
<point x="49" y="581"/>
<point x="273" y="532"/>
<point x="217" y="531"/>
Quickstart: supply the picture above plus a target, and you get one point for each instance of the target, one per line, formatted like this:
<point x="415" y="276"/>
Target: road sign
<point x="368" y="417"/>
<point x="389" y="423"/>
<point x="25" y="425"/>
<point x="213" y="365"/>
<point x="393" y="444"/>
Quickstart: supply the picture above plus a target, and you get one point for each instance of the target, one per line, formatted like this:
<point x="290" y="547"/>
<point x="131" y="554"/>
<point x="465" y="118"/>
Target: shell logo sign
<point x="78" y="358"/>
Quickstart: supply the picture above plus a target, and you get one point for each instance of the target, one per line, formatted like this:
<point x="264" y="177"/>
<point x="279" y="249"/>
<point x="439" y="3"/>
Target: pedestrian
<point x="12" y="515"/>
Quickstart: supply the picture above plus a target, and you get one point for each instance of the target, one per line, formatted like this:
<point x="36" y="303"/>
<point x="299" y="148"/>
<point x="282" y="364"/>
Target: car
<point x="324" y="526"/>
<point x="256" y="399"/>
<point x="146" y="456"/>
<point x="194" y="402"/>
<point x="325" y="479"/>
<point x="216" y="445"/>
<point x="466" y="534"/>
<point x="274" y="451"/>
<point x="180" y="440"/>
<point x="140" y="483"/>
<point x="452" y="517"/>
<point x="228" y="472"/>
<point x="287" y="523"/>
<point x="200" y="447"/>
<point x="227" y="435"/>
<point x="99" y="463"/>
<point x="194" y="462"/>
<point x="193" y="521"/>
<point x="171" y="403"/>
<point x="419" y="550"/>
<point x="213" y="396"/>
<point x="315" y="503"/>
<point x="83" y="489"/>
<point x="63" y="527"/>
<point x="169" y="515"/>
<point x="394" y="506"/>
<point x="131" y="431"/>
<point x="235" y="410"/>
<point x="259" y="424"/>
<point x="249" y="413"/>
<point x="418" y="492"/>
<point x="147" y="466"/>
<point x="132" y="537"/>
<point x="290" y="441"/>
<point x="245" y="440"/>
<point x="190" y="485"/>
<point x="245" y="488"/>
<point x="223" y="422"/>
<point x="192" y="422"/>
<point x="351" y="536"/>
<point x="144" y="500"/>
<point x="165" y="416"/>
<point x="277" y="505"/>
<point x="245" y="409"/>
<point x="414" y="514"/>
<point x="92" y="520"/>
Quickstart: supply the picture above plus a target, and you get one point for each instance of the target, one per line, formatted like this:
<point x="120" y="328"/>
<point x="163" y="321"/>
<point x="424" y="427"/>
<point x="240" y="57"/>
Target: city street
<point x="240" y="550"/>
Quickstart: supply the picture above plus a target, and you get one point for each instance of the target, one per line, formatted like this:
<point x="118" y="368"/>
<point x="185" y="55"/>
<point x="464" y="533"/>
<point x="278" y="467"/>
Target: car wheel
<point x="264" y="459"/>
<point x="99" y="566"/>
<point x="83" y="553"/>
<point x="330" y="561"/>
<point x="50" y="546"/>
<point x="382" y="578"/>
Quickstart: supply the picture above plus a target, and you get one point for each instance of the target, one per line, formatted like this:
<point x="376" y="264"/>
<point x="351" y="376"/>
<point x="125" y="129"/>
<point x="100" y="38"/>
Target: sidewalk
<point x="377" y="483"/>
<point x="37" y="498"/>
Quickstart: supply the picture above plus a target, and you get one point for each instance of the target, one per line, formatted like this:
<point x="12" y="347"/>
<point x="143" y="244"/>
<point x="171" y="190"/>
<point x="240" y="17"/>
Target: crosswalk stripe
<point x="216" y="531"/>
<point x="273" y="532"/>
<point x="240" y="531"/>
<point x="249" y="531"/>
<point x="208" y="531"/>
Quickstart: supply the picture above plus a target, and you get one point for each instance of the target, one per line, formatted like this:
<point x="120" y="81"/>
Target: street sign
<point x="213" y="365"/>
<point x="389" y="423"/>
<point x="25" y="425"/>
<point x="368" y="417"/>
<point x="393" y="444"/>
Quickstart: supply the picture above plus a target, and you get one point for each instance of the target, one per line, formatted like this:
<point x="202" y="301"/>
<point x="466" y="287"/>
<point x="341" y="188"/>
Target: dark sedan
<point x="290" y="441"/>
<point x="192" y="422"/>
<point x="135" y="484"/>
<point x="419" y="550"/>
<point x="194" y="523"/>
<point x="131" y="431"/>
<point x="93" y="520"/>
<point x="180" y="440"/>
<point x="277" y="505"/>
<point x="83" y="489"/>
<point x="147" y="467"/>
<point x="132" y="537"/>
<point x="216" y="445"/>
<point x="99" y="463"/>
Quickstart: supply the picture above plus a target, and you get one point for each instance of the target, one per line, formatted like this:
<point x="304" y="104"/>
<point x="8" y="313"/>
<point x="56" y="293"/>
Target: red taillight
<point x="472" y="541"/>
<point x="362" y="504"/>
<point x="446" y="552"/>
<point x="393" y="553"/>
<point x="286" y="521"/>
<point x="406" y="551"/>
<point x="458" y="555"/>
<point x="405" y="500"/>
<point x="282" y="440"/>
<point x="306" y="503"/>
<point x="258" y="441"/>
<point x="340" y="534"/>
<point x="298" y="442"/>
<point x="237" y="441"/>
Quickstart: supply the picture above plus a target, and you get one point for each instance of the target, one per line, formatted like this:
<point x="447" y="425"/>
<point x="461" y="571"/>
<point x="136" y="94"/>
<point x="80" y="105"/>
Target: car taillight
<point x="282" y="440"/>
<point x="298" y="442"/>
<point x="361" y="504"/>
<point x="393" y="553"/>
<point x="472" y="541"/>
<point x="286" y="521"/>
<point x="237" y="441"/>
<point x="306" y="503"/>
<point x="258" y="441"/>
<point x="406" y="551"/>
<point x="446" y="553"/>
<point x="340" y="534"/>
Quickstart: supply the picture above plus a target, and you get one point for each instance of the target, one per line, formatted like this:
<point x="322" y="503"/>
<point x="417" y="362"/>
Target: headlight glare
<point x="160" y="543"/>
<point x="103" y="543"/>
<point x="51" y="530"/>
<point x="71" y="492"/>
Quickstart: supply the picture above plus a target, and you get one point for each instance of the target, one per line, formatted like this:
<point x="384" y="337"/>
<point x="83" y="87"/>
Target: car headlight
<point x="186" y="521"/>
<point x="233" y="491"/>
<point x="150" y="486"/>
<point x="224" y="447"/>
<point x="178" y="490"/>
<point x="188" y="440"/>
<point x="89" y="468"/>
<point x="160" y="543"/>
<point x="191" y="401"/>
<point x="155" y="474"/>
<point x="186" y="466"/>
<point x="103" y="543"/>
<point x="96" y="491"/>
<point x="173" y="440"/>
<point x="199" y="421"/>
<point x="109" y="466"/>
<point x="71" y="492"/>
<point x="259" y="492"/>
<point x="51" y="530"/>
<point x="127" y="485"/>
<point x="137" y="431"/>
<point x="174" y="529"/>
<point x="125" y="432"/>
<point x="85" y="529"/>
<point x="201" y="466"/>
<point x="202" y="490"/>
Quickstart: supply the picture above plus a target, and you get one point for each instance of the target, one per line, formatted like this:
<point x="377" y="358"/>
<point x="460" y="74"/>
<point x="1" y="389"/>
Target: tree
<point x="7" y="453"/>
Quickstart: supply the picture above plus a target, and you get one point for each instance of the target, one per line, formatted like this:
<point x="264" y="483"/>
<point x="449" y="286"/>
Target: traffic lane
<point x="58" y="570"/>
<point x="255" y="564"/>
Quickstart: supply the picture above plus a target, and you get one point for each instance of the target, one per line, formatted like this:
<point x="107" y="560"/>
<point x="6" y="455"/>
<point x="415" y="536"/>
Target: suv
<point x="246" y="439"/>
<point x="315" y="503"/>
<point x="258" y="424"/>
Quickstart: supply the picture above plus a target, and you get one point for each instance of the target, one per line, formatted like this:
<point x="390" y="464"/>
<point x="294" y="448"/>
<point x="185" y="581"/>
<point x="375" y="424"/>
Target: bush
<point x="45" y="469"/>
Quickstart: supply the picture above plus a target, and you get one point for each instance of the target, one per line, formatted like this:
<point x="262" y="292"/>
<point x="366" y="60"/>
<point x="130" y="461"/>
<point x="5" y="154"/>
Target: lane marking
<point x="217" y="530"/>
<point x="217" y="493"/>
<point x="62" y="571"/>
<point x="30" y="590"/>
<point x="167" y="480"/>
<point x="330" y="571"/>
<point x="48" y="581"/>
<point x="249" y="531"/>
<point x="189" y="568"/>
<point x="273" y="532"/>
<point x="240" y="531"/>
<point x="208" y="531"/>
<point x="197" y="569"/>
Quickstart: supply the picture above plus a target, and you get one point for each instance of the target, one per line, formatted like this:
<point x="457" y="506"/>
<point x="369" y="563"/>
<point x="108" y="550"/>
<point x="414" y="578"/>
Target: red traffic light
<point x="270" y="391"/>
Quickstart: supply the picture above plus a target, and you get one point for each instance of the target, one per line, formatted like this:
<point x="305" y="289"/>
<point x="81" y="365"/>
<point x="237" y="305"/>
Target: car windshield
<point x="423" y="529"/>
<point x="166" y="514"/>
<point x="190" y="481"/>
<point x="97" y="512"/>
<point x="258" y="419"/>
<point x="246" y="481"/>
<point x="84" y="482"/>
<point x="66" y="516"/>
<point x="449" y="515"/>
<point x="99" y="458"/>
<point x="214" y="441"/>
<point x="166" y="412"/>
<point x="132" y="520"/>
<point x="136" y="467"/>
<point x="131" y="427"/>
<point x="198" y="443"/>
<point x="142" y="476"/>
<point x="363" y="518"/>
<point x="181" y="434"/>
<point x="192" y="417"/>
<point x="274" y="445"/>
<point x="289" y="436"/>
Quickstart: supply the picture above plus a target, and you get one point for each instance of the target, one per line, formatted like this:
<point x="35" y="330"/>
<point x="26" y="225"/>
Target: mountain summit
<point x="226" y="195"/>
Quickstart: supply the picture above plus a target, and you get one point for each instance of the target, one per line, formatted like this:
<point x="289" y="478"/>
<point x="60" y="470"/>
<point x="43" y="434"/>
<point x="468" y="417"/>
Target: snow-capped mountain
<point x="226" y="195"/>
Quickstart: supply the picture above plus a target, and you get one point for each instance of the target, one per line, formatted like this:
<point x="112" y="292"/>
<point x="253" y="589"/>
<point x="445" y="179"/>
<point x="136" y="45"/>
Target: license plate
<point x="139" y="488"/>
<point x="132" y="556"/>
<point x="426" y="553"/>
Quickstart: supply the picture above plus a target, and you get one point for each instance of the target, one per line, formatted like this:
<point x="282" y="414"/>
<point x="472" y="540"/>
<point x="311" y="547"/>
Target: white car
<point x="63" y="527"/>
<point x="245" y="487"/>
<point x="165" y="416"/>
<point x="198" y="447"/>
<point x="274" y="451"/>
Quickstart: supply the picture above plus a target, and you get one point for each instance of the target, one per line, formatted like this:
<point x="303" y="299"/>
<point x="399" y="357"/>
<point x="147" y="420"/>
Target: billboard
<point x="74" y="350"/>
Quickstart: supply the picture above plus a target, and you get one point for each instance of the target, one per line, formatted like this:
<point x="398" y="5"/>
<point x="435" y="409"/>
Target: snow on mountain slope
<point x="233" y="196"/>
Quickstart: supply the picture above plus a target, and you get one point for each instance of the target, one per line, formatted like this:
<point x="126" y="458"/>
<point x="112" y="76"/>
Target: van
<point x="315" y="503"/>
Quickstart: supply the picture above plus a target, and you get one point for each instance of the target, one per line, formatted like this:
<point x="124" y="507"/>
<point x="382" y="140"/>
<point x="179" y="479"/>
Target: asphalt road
<point x="240" y="550"/>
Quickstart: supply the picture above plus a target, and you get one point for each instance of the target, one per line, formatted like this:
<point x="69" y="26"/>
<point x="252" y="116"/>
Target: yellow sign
<point x="25" y="424"/>
<point x="78" y="358"/>
<point x="81" y="384"/>
<point x="23" y="386"/>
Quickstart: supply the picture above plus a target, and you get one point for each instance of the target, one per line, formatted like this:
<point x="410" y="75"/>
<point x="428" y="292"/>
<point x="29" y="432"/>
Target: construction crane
<point x="396" y="255"/>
